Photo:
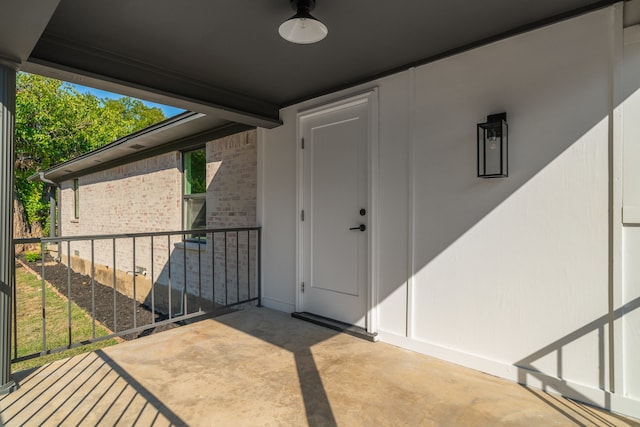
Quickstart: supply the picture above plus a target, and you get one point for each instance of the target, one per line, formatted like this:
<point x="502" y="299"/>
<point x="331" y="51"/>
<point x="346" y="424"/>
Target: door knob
<point x="361" y="227"/>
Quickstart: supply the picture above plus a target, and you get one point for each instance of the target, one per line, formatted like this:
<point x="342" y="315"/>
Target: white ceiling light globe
<point x="303" y="30"/>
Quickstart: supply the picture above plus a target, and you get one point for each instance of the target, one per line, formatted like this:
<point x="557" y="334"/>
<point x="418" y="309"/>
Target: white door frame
<point x="371" y="99"/>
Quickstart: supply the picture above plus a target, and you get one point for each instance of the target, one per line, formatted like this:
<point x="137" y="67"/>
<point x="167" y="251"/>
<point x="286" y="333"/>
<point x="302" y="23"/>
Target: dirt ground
<point x="101" y="300"/>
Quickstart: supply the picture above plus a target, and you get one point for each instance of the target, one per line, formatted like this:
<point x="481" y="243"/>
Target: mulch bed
<point x="58" y="275"/>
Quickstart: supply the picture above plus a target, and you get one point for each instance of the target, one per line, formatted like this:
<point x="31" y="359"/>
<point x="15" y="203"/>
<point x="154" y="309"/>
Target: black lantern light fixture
<point x="493" y="161"/>
<point x="303" y="28"/>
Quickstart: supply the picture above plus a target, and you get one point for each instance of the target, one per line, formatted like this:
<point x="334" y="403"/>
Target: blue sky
<point x="167" y="110"/>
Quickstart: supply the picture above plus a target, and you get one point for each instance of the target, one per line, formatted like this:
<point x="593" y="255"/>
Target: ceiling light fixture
<point x="303" y="28"/>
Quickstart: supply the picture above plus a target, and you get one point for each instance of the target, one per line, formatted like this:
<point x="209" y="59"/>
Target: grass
<point x="29" y="323"/>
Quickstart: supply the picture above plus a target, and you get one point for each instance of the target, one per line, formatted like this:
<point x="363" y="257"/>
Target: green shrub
<point x="32" y="256"/>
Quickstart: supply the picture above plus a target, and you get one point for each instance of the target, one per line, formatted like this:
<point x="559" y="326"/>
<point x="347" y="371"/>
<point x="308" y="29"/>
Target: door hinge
<point x="302" y="143"/>
<point x="302" y="287"/>
<point x="302" y="215"/>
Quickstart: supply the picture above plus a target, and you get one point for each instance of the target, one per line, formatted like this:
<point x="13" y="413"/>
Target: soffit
<point x="181" y="132"/>
<point x="226" y="58"/>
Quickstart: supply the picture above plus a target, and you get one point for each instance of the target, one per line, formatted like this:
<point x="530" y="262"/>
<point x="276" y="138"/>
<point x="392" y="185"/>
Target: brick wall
<point x="232" y="181"/>
<point x="146" y="196"/>
<point x="231" y="202"/>
<point x="137" y="197"/>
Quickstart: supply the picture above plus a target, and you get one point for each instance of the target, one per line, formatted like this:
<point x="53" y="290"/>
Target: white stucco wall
<point x="510" y="276"/>
<point x="629" y="109"/>
<point x="502" y="268"/>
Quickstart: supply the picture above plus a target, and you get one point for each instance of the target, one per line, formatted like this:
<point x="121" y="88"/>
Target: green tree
<point x="56" y="123"/>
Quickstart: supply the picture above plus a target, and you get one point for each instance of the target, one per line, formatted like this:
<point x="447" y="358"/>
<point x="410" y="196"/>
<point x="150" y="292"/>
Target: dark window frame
<point x="189" y="198"/>
<point x="76" y="199"/>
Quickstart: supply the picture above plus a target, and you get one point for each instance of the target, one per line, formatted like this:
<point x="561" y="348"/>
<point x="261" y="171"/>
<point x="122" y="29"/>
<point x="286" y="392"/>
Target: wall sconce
<point x="493" y="160"/>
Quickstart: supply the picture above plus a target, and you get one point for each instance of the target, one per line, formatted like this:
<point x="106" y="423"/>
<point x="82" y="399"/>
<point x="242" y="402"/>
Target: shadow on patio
<point x="260" y="366"/>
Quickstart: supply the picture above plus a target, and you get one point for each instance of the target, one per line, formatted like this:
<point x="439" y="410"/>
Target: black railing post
<point x="153" y="290"/>
<point x="135" y="272"/>
<point x="259" y="251"/>
<point x="115" y="286"/>
<point x="69" y="326"/>
<point x="15" y="311"/>
<point x="44" y="304"/>
<point x="183" y="300"/>
<point x="237" y="266"/>
<point x="200" y="271"/>
<point x="213" y="269"/>
<point x="248" y="264"/>
<point x="93" y="291"/>
<point x="226" y="284"/>
<point x="169" y="273"/>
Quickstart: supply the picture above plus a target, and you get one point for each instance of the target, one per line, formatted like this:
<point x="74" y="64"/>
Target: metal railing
<point x="167" y="277"/>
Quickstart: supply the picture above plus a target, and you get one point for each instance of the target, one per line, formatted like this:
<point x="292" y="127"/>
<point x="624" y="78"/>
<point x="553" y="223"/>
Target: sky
<point x="167" y="110"/>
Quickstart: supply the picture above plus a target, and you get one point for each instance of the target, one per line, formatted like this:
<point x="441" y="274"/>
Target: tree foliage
<point x="56" y="123"/>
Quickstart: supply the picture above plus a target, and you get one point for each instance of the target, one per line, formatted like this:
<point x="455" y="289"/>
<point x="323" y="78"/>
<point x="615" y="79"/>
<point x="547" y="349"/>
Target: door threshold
<point x="336" y="325"/>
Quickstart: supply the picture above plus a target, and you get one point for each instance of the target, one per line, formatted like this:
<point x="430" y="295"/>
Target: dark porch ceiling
<point x="225" y="57"/>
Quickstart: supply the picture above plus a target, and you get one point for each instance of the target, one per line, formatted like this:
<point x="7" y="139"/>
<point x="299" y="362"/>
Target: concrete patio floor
<point x="262" y="367"/>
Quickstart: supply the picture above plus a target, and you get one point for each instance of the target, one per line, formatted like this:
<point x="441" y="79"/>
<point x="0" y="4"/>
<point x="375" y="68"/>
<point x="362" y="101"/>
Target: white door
<point x="335" y="226"/>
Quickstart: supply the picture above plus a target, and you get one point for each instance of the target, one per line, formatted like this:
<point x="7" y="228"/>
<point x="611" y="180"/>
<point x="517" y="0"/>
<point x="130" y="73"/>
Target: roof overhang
<point x="227" y="60"/>
<point x="182" y="132"/>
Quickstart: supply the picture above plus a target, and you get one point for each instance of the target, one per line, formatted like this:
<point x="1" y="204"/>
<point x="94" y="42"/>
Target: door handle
<point x="361" y="227"/>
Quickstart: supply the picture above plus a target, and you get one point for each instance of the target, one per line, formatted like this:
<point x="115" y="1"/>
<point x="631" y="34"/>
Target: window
<point x="195" y="189"/>
<point x="76" y="199"/>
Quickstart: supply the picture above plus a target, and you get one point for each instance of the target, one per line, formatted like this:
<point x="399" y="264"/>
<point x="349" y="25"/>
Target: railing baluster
<point x="115" y="281"/>
<point x="44" y="303"/>
<point x="226" y="285"/>
<point x="169" y="273"/>
<point x="259" y="278"/>
<point x="237" y="266"/>
<point x="248" y="264"/>
<point x="153" y="284"/>
<point x="135" y="273"/>
<point x="213" y="269"/>
<point x="14" y="304"/>
<point x="200" y="271"/>
<point x="184" y="271"/>
<point x="253" y="272"/>
<point x="69" y="290"/>
<point x="93" y="291"/>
